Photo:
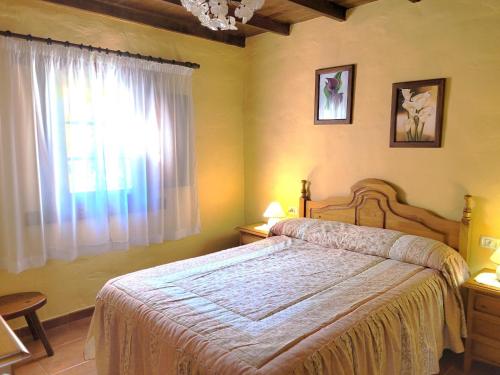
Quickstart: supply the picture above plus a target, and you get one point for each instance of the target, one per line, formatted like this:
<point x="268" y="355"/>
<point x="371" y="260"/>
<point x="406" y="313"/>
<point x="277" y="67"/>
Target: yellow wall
<point x="218" y="97"/>
<point x="389" y="41"/>
<point x="269" y="87"/>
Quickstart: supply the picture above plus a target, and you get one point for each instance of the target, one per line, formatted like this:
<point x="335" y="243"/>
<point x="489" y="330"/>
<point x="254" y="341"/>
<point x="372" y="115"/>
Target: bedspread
<point x="283" y="305"/>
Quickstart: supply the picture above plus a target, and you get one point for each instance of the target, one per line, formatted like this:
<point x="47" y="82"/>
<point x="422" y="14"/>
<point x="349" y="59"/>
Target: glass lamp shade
<point x="495" y="258"/>
<point x="274" y="212"/>
<point x="214" y="14"/>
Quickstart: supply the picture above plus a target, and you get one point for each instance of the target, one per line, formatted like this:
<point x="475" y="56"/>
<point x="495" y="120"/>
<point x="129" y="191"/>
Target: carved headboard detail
<point x="374" y="203"/>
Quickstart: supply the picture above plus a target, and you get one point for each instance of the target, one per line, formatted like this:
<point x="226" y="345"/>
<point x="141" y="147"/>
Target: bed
<point x="362" y="284"/>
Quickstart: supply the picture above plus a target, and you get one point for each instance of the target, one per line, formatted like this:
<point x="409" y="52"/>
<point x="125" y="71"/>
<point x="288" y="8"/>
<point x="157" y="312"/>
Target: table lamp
<point x="274" y="212"/>
<point x="495" y="258"/>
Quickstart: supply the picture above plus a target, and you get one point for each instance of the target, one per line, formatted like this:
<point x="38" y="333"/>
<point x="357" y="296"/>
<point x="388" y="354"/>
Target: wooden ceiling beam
<point x="153" y="19"/>
<point x="325" y="7"/>
<point x="261" y="22"/>
<point x="268" y="24"/>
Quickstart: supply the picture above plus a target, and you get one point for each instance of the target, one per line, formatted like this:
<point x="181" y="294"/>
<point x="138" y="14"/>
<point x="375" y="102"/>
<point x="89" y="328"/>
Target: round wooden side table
<point x="25" y="304"/>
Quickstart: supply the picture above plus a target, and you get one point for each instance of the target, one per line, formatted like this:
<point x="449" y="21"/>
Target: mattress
<point x="316" y="298"/>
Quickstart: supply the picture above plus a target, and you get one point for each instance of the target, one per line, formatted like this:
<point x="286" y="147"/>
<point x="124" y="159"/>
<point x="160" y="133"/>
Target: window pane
<point x="82" y="175"/>
<point x="96" y="152"/>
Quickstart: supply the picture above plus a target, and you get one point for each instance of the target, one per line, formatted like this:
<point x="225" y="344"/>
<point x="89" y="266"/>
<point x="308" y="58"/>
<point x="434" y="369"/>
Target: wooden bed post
<point x="465" y="228"/>
<point x="303" y="199"/>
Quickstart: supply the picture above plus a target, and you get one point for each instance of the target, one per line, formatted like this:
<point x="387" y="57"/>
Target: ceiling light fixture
<point x="214" y="13"/>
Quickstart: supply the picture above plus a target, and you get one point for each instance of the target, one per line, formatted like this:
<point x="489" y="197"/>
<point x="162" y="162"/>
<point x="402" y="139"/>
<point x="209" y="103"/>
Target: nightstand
<point x="249" y="234"/>
<point x="483" y="323"/>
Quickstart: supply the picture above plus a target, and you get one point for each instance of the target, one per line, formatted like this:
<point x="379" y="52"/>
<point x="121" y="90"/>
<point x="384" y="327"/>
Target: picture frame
<point x="333" y="98"/>
<point x="417" y="113"/>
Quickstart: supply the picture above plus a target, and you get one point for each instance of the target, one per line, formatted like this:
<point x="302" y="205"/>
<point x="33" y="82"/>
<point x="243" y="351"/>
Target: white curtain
<point x="96" y="153"/>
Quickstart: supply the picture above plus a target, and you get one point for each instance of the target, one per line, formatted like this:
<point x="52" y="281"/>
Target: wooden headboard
<point x="374" y="203"/>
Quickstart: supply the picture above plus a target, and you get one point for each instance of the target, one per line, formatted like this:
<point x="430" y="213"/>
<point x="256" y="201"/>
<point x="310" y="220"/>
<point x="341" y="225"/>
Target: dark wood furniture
<point x="249" y="234"/>
<point x="25" y="304"/>
<point x="276" y="16"/>
<point x="483" y="323"/>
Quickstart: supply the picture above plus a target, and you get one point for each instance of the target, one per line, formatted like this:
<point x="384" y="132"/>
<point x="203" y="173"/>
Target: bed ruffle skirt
<point x="394" y="334"/>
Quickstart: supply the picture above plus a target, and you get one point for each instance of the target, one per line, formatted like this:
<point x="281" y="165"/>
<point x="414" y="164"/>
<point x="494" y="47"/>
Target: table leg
<point x="31" y="327"/>
<point x="41" y="333"/>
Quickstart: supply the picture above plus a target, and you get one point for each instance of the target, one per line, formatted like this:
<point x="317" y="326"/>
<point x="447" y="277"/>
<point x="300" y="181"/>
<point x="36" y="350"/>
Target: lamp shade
<point x="274" y="210"/>
<point x="495" y="257"/>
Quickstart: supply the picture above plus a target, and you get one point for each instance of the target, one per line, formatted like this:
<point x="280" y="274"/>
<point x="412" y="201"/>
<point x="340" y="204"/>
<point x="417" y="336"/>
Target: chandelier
<point x="214" y="13"/>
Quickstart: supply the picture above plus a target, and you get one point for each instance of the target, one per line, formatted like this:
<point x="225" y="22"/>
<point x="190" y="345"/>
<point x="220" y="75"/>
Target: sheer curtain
<point x="96" y="153"/>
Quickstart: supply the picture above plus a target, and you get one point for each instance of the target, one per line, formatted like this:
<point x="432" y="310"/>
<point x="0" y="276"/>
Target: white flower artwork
<point x="417" y="113"/>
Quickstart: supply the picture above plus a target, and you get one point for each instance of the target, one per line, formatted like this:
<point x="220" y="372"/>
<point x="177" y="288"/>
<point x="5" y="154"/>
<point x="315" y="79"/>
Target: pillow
<point x="385" y="243"/>
<point x="367" y="240"/>
<point x="433" y="254"/>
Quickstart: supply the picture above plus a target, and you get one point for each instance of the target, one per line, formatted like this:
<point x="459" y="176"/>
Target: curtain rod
<point x="49" y="41"/>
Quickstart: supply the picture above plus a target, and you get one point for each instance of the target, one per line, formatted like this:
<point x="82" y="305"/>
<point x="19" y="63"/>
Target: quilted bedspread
<point x="316" y="298"/>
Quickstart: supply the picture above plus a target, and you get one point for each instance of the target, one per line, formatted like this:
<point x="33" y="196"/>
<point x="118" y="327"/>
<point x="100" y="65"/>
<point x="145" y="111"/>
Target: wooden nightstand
<point x="483" y="324"/>
<point x="249" y="234"/>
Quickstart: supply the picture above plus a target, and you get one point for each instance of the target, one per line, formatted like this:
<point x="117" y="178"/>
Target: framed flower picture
<point x="333" y="95"/>
<point x="417" y="113"/>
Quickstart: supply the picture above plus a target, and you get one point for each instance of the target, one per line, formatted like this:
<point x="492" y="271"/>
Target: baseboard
<point x="59" y="321"/>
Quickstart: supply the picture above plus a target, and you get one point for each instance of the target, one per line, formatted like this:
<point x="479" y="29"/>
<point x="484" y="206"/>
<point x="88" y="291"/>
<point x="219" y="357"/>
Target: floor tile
<point x="452" y="364"/>
<point x="85" y="368"/>
<point x="59" y="336"/>
<point x="67" y="356"/>
<point x="31" y="368"/>
<point x="69" y="332"/>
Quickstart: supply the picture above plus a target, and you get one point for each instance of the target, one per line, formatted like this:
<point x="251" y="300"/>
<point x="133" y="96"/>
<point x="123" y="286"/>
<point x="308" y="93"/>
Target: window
<point x="100" y="153"/>
<point x="95" y="160"/>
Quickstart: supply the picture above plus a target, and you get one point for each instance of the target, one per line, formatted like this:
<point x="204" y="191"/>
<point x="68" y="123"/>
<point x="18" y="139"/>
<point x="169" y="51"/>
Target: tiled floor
<point x="451" y="364"/>
<point x="68" y="341"/>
